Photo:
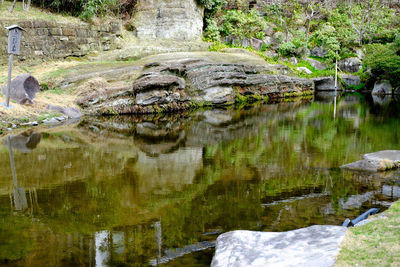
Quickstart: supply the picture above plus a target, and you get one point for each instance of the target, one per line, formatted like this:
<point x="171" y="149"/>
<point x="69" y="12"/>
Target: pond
<point x="159" y="189"/>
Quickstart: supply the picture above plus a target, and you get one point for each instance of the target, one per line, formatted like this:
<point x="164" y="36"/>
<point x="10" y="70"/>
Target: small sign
<point x="14" y="39"/>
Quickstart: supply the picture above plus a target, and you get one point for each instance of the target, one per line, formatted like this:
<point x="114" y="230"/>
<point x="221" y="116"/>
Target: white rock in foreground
<point x="317" y="245"/>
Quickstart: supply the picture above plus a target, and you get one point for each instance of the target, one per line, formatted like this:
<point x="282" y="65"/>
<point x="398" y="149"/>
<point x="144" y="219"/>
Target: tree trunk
<point x="12" y="6"/>
<point x="308" y="30"/>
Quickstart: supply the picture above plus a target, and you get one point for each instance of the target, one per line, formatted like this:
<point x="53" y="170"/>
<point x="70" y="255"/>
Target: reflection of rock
<point x="391" y="191"/>
<point x="381" y="100"/>
<point x="217" y="117"/>
<point x="23" y="89"/>
<point x="312" y="246"/>
<point x="24" y="142"/>
<point x="167" y="172"/>
<point x="20" y="201"/>
<point x="325" y="96"/>
<point x="355" y="201"/>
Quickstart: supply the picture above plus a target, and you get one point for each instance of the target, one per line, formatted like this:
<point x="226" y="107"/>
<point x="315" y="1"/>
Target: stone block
<point x="55" y="31"/>
<point x="68" y="32"/>
<point x="82" y="32"/>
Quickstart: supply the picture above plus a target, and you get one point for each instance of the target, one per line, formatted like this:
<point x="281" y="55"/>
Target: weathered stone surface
<point x="159" y="19"/>
<point x="158" y="81"/>
<point x="382" y="88"/>
<point x="325" y="84"/>
<point x="316" y="64"/>
<point x="317" y="245"/>
<point x="23" y="89"/>
<point x="352" y="64"/>
<point x="175" y="82"/>
<point x="351" y="79"/>
<point x="378" y="161"/>
<point x="257" y="44"/>
<point x="319" y="51"/>
<point x="304" y="69"/>
<point x="72" y="113"/>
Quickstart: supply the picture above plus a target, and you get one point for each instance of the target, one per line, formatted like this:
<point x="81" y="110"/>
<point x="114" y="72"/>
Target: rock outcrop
<point x="178" y="84"/>
<point x="159" y="19"/>
<point x="316" y="64"/>
<point x="325" y="84"/>
<point x="352" y="64"/>
<point x="317" y="245"/>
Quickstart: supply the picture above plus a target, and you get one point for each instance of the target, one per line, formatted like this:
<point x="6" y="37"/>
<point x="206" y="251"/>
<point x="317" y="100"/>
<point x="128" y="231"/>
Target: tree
<point x="311" y="11"/>
<point x="26" y="6"/>
<point x="12" y="6"/>
<point x="362" y="14"/>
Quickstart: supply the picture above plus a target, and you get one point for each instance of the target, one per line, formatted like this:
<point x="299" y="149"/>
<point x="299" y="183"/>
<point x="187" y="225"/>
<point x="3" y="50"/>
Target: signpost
<point x="14" y="44"/>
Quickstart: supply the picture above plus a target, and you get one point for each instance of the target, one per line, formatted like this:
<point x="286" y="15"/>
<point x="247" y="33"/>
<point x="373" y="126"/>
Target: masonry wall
<point x="45" y="40"/>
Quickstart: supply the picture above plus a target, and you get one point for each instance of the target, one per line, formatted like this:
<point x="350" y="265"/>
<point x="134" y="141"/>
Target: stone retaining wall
<point x="44" y="40"/>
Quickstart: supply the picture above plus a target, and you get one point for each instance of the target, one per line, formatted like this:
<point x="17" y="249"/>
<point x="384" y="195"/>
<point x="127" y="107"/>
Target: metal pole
<point x="10" y="62"/>
<point x="336" y="77"/>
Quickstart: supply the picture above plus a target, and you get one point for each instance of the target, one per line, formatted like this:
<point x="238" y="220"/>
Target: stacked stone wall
<point x="46" y="40"/>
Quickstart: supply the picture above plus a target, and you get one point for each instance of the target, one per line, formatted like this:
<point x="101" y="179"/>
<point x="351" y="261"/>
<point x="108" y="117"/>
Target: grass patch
<point x="374" y="244"/>
<point x="33" y="14"/>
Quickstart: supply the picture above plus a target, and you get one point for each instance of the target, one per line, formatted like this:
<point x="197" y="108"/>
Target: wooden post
<point x="10" y="63"/>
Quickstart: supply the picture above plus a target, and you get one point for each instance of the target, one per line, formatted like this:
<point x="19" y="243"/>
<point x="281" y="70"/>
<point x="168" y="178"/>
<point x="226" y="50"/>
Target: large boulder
<point x="352" y="64"/>
<point x="325" y="84"/>
<point x="319" y="51"/>
<point x="382" y="88"/>
<point x="316" y="64"/>
<point x="23" y="89"/>
<point x="317" y="245"/>
<point x="353" y="80"/>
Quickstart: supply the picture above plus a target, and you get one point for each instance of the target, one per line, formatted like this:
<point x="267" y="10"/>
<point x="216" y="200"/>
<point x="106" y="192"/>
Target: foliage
<point x="287" y="49"/>
<point x="383" y="62"/>
<point x="212" y="32"/>
<point x="326" y="36"/>
<point x="243" y="25"/>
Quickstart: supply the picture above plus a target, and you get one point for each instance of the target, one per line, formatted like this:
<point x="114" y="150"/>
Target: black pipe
<point x="365" y="215"/>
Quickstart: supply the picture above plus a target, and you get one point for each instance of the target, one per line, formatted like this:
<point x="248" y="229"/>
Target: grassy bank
<point x="374" y="244"/>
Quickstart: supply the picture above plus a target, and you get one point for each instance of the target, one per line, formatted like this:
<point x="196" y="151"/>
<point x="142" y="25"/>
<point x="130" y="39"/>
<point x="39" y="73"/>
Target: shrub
<point x="237" y="23"/>
<point x="287" y="49"/>
<point x="212" y="31"/>
<point x="383" y="62"/>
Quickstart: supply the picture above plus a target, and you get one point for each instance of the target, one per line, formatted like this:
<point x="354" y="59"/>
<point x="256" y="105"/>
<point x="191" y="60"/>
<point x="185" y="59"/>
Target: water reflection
<point x="153" y="189"/>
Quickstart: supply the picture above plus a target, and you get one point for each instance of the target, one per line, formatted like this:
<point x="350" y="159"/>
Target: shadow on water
<point x="157" y="189"/>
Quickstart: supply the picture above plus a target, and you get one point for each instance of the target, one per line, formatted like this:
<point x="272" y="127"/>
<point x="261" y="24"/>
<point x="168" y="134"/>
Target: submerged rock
<point x="317" y="245"/>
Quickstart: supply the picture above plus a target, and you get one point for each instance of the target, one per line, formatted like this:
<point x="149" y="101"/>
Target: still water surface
<point x="138" y="191"/>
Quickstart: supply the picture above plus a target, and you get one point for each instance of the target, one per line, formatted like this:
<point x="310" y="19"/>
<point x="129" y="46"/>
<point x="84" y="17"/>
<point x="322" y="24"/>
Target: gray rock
<point x="382" y="88"/>
<point x="351" y="79"/>
<point x="72" y="113"/>
<point x="396" y="91"/>
<point x="23" y="89"/>
<point x="256" y="43"/>
<point x="304" y="69"/>
<point x="352" y="64"/>
<point x="317" y="245"/>
<point x="219" y="95"/>
<point x="325" y="84"/>
<point x="378" y="161"/>
<point x="271" y="54"/>
<point x="293" y="60"/>
<point x="246" y="42"/>
<point x="316" y="64"/>
<point x="319" y="51"/>
<point x="268" y="41"/>
<point x="158" y="81"/>
<point x="269" y="31"/>
<point x="151" y="97"/>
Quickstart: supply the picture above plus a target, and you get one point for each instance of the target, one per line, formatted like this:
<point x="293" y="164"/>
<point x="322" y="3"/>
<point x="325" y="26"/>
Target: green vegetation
<point x="374" y="244"/>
